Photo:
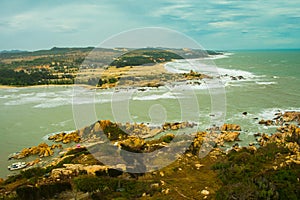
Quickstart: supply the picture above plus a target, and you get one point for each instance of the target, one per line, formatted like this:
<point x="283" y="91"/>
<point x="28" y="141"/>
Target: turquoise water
<point x="272" y="80"/>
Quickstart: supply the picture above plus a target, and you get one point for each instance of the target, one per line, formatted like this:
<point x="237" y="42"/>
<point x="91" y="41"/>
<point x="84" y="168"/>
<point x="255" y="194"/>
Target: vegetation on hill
<point x="60" y="65"/>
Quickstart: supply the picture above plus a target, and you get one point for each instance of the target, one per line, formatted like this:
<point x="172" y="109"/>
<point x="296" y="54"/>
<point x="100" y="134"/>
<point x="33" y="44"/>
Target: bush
<point x="237" y="191"/>
<point x="109" y="188"/>
<point x="49" y="190"/>
<point x="12" y="179"/>
<point x="33" y="172"/>
<point x="78" y="151"/>
<point x="114" y="172"/>
<point x="248" y="176"/>
<point x="101" y="173"/>
<point x="89" y="183"/>
<point x="28" y="192"/>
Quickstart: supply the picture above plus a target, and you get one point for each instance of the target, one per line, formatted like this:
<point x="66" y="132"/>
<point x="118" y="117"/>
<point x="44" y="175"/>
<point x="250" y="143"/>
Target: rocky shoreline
<point x="80" y="161"/>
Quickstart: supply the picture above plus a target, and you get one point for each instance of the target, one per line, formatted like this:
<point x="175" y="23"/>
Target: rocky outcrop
<point x="177" y="125"/>
<point x="70" y="170"/>
<point x="287" y="137"/>
<point x="230" y="127"/>
<point x="137" y="144"/>
<point x="34" y="162"/>
<point x="197" y="142"/>
<point x="66" y="137"/>
<point x="282" y="119"/>
<point x="43" y="150"/>
<point x="291" y="116"/>
<point x="194" y="75"/>
<point x="141" y="130"/>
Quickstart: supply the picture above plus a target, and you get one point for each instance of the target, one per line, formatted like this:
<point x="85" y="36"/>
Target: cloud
<point x="88" y="22"/>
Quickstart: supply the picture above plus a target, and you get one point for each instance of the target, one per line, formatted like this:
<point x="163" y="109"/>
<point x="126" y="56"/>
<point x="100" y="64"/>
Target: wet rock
<point x="245" y="113"/>
<point x="266" y="122"/>
<point x="233" y="78"/>
<point x="257" y="134"/>
<point x="236" y="145"/>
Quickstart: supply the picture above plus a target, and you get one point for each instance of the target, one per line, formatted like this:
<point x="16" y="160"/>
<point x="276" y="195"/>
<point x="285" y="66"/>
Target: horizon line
<point x="208" y="49"/>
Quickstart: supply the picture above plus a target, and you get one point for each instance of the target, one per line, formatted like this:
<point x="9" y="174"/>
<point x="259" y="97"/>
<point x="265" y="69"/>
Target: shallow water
<point x="271" y="83"/>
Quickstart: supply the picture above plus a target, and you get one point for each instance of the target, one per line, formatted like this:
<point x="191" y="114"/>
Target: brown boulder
<point x="230" y="136"/>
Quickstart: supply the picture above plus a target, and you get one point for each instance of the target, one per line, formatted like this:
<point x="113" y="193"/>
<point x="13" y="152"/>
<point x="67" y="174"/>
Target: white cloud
<point x="212" y="20"/>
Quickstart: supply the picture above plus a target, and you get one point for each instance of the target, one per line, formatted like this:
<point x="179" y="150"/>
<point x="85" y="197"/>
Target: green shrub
<point x="220" y="166"/>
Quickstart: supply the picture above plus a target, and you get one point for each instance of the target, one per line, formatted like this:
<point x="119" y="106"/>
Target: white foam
<point x="167" y="95"/>
<point x="27" y="100"/>
<point x="50" y="134"/>
<point x="266" y="83"/>
<point x="185" y="66"/>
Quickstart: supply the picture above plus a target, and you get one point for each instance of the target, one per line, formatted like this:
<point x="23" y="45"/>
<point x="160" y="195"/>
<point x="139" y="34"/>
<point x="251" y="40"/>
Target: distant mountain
<point x="12" y="51"/>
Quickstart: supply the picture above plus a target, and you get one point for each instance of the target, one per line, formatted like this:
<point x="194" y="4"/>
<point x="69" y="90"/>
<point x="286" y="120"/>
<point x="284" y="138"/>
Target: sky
<point x="214" y="24"/>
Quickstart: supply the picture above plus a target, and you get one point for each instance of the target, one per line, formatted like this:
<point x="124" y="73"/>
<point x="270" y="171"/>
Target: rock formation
<point x="43" y="150"/>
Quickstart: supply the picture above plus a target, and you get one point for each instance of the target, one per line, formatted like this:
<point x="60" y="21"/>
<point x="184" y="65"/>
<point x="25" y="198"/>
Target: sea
<point x="258" y="82"/>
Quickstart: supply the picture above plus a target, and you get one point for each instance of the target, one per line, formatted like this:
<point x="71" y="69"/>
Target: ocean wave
<point x="266" y="83"/>
<point x="269" y="113"/>
<point x="167" y="95"/>
<point x="21" y="101"/>
<point x="221" y="56"/>
<point x="180" y="66"/>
